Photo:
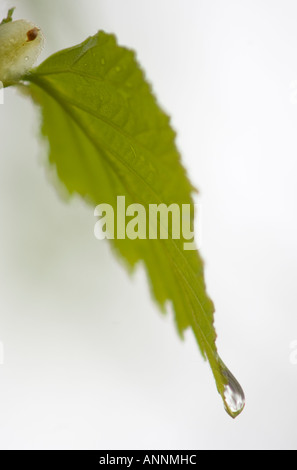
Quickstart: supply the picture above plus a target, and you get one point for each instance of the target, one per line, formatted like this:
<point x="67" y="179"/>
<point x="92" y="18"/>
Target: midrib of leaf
<point x="61" y="99"/>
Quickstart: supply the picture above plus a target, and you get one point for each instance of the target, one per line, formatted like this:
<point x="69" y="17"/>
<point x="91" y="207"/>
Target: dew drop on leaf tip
<point x="234" y="398"/>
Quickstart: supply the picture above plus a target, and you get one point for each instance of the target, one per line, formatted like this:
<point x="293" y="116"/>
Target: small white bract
<point x="20" y="45"/>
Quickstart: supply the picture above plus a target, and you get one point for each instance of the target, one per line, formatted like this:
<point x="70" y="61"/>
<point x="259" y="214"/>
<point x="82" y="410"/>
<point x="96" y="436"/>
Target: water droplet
<point x="234" y="398"/>
<point x="26" y="58"/>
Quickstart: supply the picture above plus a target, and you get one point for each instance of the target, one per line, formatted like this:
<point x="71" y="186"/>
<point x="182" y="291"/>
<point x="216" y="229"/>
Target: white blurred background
<point x="89" y="362"/>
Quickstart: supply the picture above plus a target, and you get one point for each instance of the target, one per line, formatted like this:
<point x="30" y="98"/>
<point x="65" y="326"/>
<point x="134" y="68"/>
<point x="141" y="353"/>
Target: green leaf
<point x="107" y="137"/>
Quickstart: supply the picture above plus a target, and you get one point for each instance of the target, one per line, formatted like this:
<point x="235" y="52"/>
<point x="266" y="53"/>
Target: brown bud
<point x="32" y="34"/>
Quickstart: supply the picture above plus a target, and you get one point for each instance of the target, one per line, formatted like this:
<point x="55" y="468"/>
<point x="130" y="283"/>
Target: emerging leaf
<point x="8" y="19"/>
